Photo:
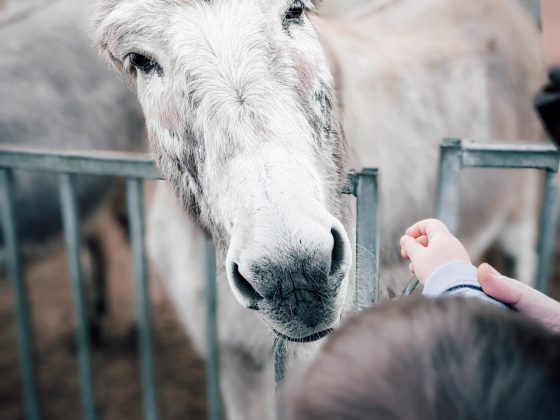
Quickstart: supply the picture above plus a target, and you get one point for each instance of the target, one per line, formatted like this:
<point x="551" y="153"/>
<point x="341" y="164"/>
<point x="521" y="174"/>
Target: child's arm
<point x="441" y="262"/>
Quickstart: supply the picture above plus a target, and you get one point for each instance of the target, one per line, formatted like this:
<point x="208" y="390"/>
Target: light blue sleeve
<point x="457" y="279"/>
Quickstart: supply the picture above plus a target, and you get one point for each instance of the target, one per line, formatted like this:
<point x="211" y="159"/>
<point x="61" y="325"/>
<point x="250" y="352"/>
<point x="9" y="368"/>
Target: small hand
<point x="429" y="245"/>
<point x="520" y="296"/>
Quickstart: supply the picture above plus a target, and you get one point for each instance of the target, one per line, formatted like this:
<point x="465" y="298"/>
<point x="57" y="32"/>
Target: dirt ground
<point x="179" y="371"/>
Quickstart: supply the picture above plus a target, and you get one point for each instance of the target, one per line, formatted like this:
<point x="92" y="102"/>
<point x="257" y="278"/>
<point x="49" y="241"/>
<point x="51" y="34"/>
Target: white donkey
<point x="245" y="123"/>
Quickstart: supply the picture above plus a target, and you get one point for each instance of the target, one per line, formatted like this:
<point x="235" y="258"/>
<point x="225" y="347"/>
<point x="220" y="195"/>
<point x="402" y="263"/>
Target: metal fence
<point x="457" y="154"/>
<point x="137" y="168"/>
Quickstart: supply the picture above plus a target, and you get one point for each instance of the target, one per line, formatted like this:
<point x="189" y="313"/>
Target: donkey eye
<point x="141" y="62"/>
<point x="295" y="12"/>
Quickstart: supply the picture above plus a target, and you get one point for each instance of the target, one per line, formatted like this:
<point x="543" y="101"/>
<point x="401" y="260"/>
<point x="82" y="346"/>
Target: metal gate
<point x="457" y="154"/>
<point x="136" y="168"/>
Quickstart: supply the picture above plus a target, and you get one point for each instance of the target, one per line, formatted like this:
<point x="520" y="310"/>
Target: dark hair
<point x="547" y="105"/>
<point x="438" y="359"/>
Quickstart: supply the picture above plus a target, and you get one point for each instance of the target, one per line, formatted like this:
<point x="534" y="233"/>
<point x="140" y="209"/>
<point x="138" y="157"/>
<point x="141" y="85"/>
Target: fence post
<point x="213" y="368"/>
<point x="547" y="230"/>
<point x="71" y="225"/>
<point x="135" y="203"/>
<point x="279" y="360"/>
<point x="367" y="239"/>
<point x="447" y="196"/>
<point x="24" y="331"/>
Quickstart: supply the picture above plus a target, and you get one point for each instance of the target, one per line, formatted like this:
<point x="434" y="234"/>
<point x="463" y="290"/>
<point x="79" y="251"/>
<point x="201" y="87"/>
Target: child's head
<point x="436" y="359"/>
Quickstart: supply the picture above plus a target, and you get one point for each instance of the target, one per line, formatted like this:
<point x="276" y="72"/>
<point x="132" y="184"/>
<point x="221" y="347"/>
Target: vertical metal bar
<point x="135" y="203"/>
<point x="213" y="367"/>
<point x="279" y="360"/>
<point x="447" y="198"/>
<point x="71" y="225"/>
<point x="367" y="240"/>
<point x="24" y="332"/>
<point x="547" y="231"/>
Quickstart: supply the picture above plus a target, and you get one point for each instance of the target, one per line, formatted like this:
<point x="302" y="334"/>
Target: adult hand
<point x="520" y="296"/>
<point x="429" y="245"/>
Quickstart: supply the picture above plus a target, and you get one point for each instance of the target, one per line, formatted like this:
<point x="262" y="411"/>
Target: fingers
<point x="428" y="228"/>
<point x="410" y="247"/>
<point x="422" y="240"/>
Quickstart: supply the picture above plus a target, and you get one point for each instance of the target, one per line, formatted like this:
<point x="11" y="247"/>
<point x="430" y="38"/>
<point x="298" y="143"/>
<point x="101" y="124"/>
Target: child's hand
<point x="520" y="296"/>
<point x="429" y="245"/>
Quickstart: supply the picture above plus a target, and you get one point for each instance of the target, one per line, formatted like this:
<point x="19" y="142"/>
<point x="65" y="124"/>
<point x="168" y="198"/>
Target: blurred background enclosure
<point x="55" y="93"/>
<point x="533" y="6"/>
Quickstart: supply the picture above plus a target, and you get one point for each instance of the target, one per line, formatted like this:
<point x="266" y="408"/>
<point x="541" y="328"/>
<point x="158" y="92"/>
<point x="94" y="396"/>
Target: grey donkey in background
<point x="57" y="94"/>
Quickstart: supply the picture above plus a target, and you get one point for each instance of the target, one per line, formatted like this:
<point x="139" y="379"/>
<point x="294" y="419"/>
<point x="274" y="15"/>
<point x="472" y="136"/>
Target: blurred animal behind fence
<point x="57" y="94"/>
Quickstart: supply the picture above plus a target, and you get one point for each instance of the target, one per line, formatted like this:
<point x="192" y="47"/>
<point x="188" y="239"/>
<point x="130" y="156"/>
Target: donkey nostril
<point x="245" y="288"/>
<point x="338" y="252"/>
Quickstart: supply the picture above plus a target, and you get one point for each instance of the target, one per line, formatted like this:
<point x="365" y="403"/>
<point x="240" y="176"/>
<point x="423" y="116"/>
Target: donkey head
<point x="239" y="104"/>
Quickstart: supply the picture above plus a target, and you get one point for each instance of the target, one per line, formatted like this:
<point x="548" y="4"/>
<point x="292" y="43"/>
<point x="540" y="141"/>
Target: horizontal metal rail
<point x="507" y="156"/>
<point x="457" y="154"/>
<point x="104" y="163"/>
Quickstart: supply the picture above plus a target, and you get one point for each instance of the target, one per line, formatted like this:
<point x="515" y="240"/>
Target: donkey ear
<point x="101" y="8"/>
<point x="108" y="4"/>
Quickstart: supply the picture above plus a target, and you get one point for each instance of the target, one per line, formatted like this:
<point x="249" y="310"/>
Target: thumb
<point x="411" y="247"/>
<point x="499" y="286"/>
<point x="522" y="297"/>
